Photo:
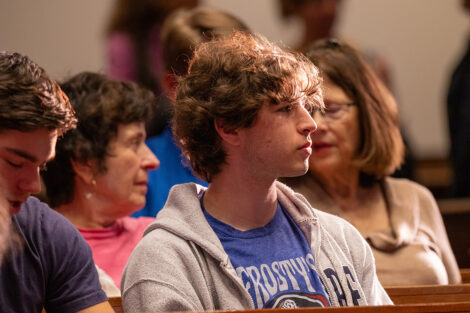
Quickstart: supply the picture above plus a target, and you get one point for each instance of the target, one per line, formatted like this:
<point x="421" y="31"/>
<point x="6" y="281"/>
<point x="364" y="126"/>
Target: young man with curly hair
<point x="243" y="116"/>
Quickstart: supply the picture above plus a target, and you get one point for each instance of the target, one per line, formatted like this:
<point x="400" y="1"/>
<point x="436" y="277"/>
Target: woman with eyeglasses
<point x="355" y="148"/>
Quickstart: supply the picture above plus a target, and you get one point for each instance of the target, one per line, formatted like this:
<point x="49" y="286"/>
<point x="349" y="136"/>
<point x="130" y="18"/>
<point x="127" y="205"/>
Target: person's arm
<point x="432" y="218"/>
<point x="157" y="296"/>
<point x="163" y="274"/>
<point x="373" y="289"/>
<point x="103" y="307"/>
<point x="363" y="257"/>
<point x="363" y="262"/>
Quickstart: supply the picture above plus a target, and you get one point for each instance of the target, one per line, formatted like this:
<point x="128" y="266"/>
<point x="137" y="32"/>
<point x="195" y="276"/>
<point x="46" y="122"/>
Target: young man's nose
<point x="31" y="182"/>
<point x="308" y="124"/>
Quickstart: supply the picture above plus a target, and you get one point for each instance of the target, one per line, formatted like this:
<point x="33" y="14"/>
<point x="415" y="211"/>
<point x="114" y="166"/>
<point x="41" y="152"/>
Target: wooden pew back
<point x="426" y="298"/>
<point x="465" y="273"/>
<point x="456" y="216"/>
<point x="404" y="308"/>
<point x="429" y="293"/>
<point x="444" y="307"/>
<point x="116" y="304"/>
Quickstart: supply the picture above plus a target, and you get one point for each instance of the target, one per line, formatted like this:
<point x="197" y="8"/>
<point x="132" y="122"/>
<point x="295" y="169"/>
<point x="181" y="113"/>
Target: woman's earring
<point x="88" y="195"/>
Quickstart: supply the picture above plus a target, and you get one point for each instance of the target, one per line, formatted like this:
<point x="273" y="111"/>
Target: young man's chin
<point x="14" y="207"/>
<point x="298" y="172"/>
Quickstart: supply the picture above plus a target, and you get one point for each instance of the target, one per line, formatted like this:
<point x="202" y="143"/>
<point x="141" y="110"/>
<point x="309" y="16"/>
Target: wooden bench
<point x="434" y="173"/>
<point x="465" y="273"/>
<point x="456" y="216"/>
<point x="406" y="307"/>
<point x="116" y="304"/>
<point x="429" y="293"/>
<point x="401" y="308"/>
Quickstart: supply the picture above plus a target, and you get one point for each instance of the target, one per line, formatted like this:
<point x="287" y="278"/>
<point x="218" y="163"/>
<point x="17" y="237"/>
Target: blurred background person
<point x="100" y="172"/>
<point x="181" y="33"/>
<point x="319" y="19"/>
<point x="458" y="114"/>
<point x="134" y="47"/>
<point x="356" y="146"/>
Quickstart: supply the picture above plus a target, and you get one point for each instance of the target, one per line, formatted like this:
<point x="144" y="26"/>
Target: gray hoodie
<point x="180" y="264"/>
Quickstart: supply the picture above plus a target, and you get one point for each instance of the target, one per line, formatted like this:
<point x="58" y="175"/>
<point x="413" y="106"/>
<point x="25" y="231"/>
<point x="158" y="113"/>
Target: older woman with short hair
<point x="100" y="173"/>
<point x="354" y="150"/>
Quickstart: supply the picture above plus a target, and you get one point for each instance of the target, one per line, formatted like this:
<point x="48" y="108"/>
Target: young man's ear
<point x="169" y="84"/>
<point x="227" y="134"/>
<point x="85" y="172"/>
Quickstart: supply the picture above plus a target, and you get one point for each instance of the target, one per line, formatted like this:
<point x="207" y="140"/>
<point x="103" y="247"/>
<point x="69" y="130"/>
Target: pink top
<point x="112" y="246"/>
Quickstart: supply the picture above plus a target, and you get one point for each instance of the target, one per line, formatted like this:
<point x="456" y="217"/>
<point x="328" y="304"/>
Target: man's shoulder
<point x="38" y="216"/>
<point x="55" y="258"/>
<point x="48" y="235"/>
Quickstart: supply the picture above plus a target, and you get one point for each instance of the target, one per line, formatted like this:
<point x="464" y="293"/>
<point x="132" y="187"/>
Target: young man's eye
<point x="286" y="108"/>
<point x="15" y="165"/>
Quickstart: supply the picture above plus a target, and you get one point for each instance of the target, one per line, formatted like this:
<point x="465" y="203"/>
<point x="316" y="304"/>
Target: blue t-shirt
<point x="54" y="269"/>
<point x="172" y="171"/>
<point x="275" y="262"/>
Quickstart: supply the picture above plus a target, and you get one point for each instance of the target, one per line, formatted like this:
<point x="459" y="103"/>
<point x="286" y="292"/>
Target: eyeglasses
<point x="334" y="111"/>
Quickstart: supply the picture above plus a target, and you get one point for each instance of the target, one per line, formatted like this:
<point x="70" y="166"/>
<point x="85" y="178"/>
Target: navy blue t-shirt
<point x="275" y="262"/>
<point x="54" y="268"/>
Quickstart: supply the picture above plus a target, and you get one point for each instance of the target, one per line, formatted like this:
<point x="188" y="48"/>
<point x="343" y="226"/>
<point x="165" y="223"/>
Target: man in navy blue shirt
<point x="50" y="265"/>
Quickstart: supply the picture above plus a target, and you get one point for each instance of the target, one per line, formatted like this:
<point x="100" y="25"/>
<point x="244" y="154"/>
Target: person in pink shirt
<point x="133" y="44"/>
<point x="100" y="173"/>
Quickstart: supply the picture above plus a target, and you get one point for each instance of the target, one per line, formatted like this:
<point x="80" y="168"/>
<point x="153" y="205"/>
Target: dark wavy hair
<point x="230" y="79"/>
<point x="29" y="98"/>
<point x="101" y="105"/>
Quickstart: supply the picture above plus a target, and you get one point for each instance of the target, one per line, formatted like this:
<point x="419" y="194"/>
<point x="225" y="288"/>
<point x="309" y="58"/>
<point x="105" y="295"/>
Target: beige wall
<point x="63" y="36"/>
<point x="421" y="39"/>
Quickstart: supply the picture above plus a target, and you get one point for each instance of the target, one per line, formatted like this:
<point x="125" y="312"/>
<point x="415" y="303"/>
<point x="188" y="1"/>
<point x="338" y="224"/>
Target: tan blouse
<point x="416" y="250"/>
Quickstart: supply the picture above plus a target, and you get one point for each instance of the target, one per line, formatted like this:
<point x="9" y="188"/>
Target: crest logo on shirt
<point x="297" y="300"/>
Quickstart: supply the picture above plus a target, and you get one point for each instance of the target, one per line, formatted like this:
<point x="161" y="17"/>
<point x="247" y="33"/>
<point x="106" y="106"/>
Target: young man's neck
<point x="240" y="201"/>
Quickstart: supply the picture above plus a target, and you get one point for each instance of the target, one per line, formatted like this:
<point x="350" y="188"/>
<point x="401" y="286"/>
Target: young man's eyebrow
<point x="22" y="154"/>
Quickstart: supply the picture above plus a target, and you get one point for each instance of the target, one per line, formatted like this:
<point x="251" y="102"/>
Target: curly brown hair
<point x="29" y="98"/>
<point x="230" y="79"/>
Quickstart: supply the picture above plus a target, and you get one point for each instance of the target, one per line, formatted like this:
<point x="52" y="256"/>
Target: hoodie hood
<point x="182" y="216"/>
